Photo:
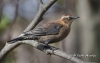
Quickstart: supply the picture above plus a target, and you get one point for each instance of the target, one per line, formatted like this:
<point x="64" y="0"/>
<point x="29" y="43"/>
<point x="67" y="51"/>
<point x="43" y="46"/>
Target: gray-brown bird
<point x="51" y="32"/>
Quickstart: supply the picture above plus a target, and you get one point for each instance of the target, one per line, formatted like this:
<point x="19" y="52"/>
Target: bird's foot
<point x="47" y="47"/>
<point x="52" y="48"/>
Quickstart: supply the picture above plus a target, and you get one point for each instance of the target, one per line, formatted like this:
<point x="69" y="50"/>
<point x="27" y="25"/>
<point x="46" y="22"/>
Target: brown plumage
<point x="51" y="32"/>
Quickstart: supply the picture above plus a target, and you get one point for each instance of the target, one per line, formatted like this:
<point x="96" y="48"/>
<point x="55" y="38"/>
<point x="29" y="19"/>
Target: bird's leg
<point x="54" y="48"/>
<point x="46" y="43"/>
<point x="49" y="47"/>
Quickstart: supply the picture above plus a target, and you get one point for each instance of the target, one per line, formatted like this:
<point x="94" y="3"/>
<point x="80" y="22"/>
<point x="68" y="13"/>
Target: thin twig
<point x="40" y="1"/>
<point x="39" y="15"/>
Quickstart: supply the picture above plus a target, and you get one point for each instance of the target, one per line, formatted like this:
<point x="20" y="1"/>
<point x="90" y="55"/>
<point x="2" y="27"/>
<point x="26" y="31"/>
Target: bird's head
<point x="68" y="18"/>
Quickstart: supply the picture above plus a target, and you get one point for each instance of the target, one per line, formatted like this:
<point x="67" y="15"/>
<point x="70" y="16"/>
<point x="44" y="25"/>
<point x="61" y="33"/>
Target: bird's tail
<point x="15" y="40"/>
<point x="30" y="37"/>
<point x="26" y="36"/>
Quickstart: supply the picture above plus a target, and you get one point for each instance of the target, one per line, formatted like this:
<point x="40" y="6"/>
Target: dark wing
<point x="47" y="29"/>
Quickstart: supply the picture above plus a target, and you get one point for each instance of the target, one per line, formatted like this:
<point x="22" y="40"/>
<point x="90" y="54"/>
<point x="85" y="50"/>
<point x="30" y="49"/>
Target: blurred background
<point x="83" y="41"/>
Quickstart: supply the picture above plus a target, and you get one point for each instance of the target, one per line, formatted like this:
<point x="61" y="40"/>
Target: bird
<point x="50" y="32"/>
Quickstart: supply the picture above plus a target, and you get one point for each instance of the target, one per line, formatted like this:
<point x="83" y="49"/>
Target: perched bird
<point x="51" y="32"/>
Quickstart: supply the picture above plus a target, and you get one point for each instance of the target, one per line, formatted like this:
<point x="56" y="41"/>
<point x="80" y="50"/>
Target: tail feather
<point x="15" y="40"/>
<point x="30" y="37"/>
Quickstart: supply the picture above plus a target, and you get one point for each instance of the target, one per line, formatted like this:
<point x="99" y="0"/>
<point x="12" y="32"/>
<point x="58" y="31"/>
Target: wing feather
<point x="48" y="29"/>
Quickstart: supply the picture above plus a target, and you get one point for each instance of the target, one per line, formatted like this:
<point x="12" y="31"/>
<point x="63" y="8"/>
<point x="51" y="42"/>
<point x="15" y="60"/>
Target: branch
<point x="50" y="50"/>
<point x="42" y="9"/>
<point x="41" y="2"/>
<point x="40" y="46"/>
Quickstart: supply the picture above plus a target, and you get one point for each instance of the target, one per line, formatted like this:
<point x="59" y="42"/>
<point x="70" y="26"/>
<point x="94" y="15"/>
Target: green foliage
<point x="4" y="23"/>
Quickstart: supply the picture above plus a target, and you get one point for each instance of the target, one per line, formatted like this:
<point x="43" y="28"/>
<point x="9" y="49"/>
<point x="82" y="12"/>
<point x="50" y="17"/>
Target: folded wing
<point x="48" y="29"/>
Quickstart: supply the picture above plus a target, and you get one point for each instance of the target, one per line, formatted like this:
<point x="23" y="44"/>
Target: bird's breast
<point x="63" y="33"/>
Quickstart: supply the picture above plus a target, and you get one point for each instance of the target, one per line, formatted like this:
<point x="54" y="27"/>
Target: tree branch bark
<point x="49" y="50"/>
<point x="42" y="9"/>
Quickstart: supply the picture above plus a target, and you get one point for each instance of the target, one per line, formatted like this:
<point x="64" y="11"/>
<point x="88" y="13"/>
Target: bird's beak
<point x="75" y="17"/>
